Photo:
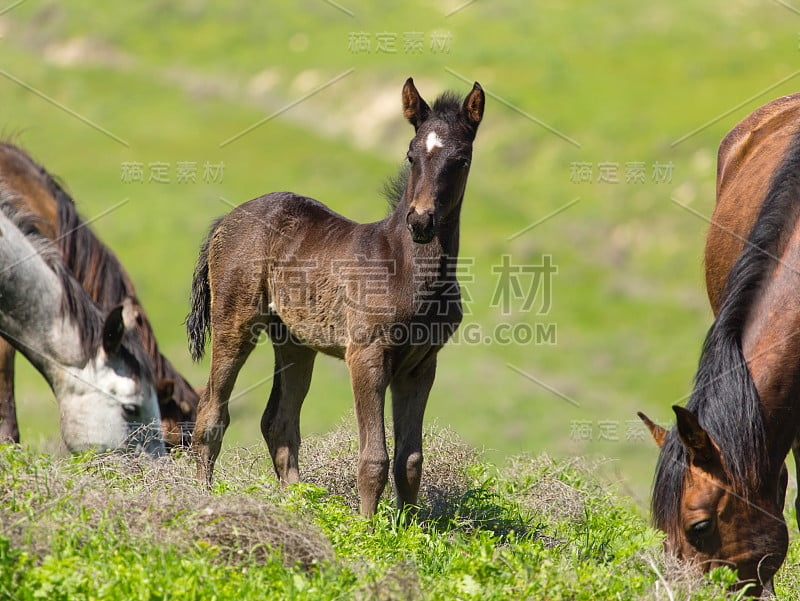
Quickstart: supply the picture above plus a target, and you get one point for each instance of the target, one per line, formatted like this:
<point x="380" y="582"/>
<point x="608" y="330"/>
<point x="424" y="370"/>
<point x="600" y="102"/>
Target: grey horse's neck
<point x="32" y="297"/>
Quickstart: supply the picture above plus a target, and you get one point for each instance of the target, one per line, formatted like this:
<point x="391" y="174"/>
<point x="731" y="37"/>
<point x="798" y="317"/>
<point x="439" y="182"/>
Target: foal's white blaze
<point x="433" y="141"/>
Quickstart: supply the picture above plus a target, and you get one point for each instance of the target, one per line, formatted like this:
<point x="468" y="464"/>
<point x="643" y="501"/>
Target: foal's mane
<point x="724" y="397"/>
<point x="447" y="108"/>
<point x="75" y="302"/>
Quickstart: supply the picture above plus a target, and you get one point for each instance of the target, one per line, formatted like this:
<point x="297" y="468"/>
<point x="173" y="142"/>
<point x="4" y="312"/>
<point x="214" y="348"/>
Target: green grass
<point x="103" y="527"/>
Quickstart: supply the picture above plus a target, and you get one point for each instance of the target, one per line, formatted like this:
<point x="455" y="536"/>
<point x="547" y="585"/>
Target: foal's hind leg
<point x="9" y="430"/>
<point x="230" y="348"/>
<point x="280" y="423"/>
<point x="409" y="397"/>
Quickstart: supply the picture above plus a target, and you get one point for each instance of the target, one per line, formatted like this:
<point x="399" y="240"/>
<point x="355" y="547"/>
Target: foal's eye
<point x="700" y="529"/>
<point x="410" y="158"/>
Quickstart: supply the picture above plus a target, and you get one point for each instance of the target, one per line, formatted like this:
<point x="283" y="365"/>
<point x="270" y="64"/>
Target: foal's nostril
<point x="421" y="226"/>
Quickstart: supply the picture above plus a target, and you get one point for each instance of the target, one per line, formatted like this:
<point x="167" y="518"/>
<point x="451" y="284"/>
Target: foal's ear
<point x="696" y="439"/>
<point x="658" y="432"/>
<point x="415" y="109"/>
<point x="473" y="105"/>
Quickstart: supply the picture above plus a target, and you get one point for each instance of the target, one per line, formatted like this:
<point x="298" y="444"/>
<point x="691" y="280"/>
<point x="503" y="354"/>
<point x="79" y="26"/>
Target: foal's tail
<point x="198" y="322"/>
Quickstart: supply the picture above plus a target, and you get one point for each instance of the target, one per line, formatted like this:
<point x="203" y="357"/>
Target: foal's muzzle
<point x="421" y="225"/>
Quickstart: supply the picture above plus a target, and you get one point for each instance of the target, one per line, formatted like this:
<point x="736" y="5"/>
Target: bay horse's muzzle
<point x="421" y="225"/>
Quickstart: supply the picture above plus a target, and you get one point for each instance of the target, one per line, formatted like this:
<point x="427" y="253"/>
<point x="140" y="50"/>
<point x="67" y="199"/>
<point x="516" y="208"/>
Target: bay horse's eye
<point x="410" y="158"/>
<point x="700" y="529"/>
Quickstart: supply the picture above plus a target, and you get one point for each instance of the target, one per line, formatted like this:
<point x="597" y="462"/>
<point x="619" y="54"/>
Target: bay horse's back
<point x="745" y="166"/>
<point x="20" y="174"/>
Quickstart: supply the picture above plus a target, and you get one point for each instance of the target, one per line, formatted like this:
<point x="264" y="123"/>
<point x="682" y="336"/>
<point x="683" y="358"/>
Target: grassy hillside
<point x="606" y="90"/>
<point x="106" y="527"/>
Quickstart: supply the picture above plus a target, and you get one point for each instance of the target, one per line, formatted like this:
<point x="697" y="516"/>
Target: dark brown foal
<point x="382" y="296"/>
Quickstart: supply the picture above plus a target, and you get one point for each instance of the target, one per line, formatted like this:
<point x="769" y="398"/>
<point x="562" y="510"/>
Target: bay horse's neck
<point x="771" y="345"/>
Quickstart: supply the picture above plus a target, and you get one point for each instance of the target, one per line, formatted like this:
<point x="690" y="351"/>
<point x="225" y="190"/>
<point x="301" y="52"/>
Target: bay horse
<point x="720" y="482"/>
<point x="102" y="276"/>
<point x="382" y="296"/>
<point x="93" y="361"/>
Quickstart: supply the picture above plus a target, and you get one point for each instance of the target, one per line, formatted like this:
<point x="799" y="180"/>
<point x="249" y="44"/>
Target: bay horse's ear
<point x="473" y="105"/>
<point x="696" y="439"/>
<point x="415" y="109"/>
<point x="658" y="432"/>
<point x="165" y="389"/>
<point x="122" y="318"/>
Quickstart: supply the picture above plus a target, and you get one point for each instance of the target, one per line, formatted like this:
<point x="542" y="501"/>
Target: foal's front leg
<point x="410" y="392"/>
<point x="369" y="371"/>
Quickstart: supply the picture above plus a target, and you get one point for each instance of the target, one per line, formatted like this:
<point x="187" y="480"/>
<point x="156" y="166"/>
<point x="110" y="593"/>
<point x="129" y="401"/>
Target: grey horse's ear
<point x="120" y="319"/>
<point x="415" y="109"/>
<point x="113" y="331"/>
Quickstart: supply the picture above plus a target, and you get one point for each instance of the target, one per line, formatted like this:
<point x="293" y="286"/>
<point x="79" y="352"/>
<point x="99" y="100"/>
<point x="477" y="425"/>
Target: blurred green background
<point x="632" y="96"/>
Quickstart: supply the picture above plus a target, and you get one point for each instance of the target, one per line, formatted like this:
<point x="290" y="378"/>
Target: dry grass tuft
<point x="330" y="461"/>
<point x="400" y="583"/>
<point x="158" y="502"/>
<point x="676" y="579"/>
<point x="549" y="488"/>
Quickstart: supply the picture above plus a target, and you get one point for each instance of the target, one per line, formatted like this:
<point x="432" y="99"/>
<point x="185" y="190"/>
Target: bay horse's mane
<point x="446" y="108"/>
<point x="91" y="262"/>
<point x="103" y="277"/>
<point x="75" y="302"/>
<point x="725" y="398"/>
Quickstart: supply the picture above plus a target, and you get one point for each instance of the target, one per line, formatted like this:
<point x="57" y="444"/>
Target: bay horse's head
<point x="440" y="154"/>
<point x="710" y="519"/>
